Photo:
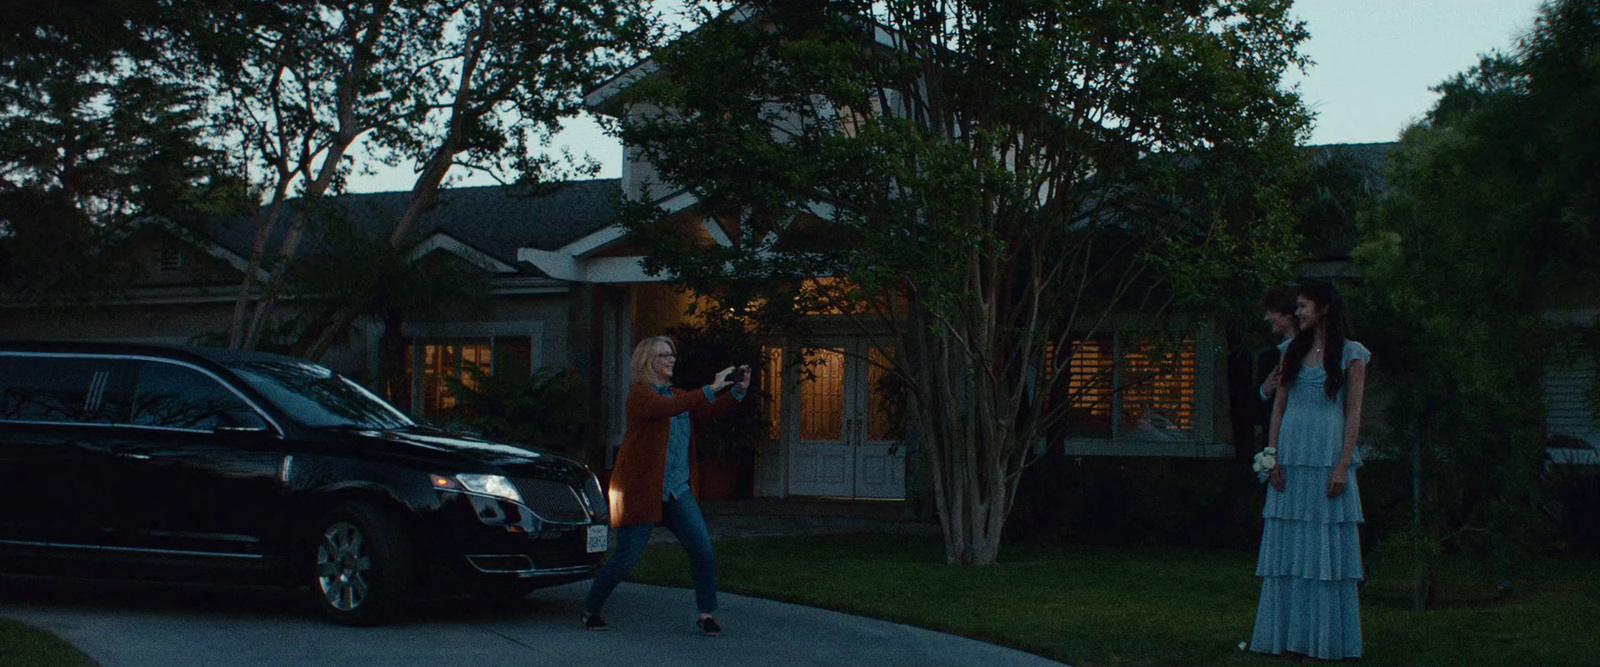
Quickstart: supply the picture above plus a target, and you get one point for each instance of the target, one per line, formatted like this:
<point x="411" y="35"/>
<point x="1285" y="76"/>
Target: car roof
<point x="219" y="355"/>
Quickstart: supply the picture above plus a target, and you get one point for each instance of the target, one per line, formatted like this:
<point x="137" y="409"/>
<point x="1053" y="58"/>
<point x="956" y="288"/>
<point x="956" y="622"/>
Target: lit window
<point x="886" y="419"/>
<point x="1122" y="388"/>
<point x="822" y="395"/>
<point x="458" y="359"/>
<point x="773" y="384"/>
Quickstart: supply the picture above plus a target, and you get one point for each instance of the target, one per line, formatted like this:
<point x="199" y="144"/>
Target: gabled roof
<point x="495" y="221"/>
<point x="598" y="99"/>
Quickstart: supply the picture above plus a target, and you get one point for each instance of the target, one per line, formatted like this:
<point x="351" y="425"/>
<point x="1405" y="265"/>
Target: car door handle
<point x="134" y="455"/>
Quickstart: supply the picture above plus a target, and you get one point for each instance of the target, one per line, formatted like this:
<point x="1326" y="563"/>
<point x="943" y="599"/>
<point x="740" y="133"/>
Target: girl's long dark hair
<point x="1322" y="294"/>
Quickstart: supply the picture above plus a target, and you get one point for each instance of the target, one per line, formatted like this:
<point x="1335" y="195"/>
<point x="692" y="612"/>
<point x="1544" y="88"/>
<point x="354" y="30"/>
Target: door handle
<point x="140" y="456"/>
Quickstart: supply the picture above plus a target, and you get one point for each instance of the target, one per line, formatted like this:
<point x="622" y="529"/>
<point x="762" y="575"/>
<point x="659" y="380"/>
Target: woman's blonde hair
<point x="643" y="354"/>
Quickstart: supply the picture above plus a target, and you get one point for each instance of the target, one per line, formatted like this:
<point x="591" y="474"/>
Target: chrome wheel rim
<point x="343" y="566"/>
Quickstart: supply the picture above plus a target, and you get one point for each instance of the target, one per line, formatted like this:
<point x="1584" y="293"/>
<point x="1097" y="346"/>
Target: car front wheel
<point x="361" y="572"/>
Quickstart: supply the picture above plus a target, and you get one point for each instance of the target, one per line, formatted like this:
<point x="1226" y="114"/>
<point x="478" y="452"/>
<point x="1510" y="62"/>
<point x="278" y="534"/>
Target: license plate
<point x="597" y="538"/>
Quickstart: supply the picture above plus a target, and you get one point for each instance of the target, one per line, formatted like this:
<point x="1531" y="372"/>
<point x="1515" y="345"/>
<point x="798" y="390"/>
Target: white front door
<point x="847" y="440"/>
<point x="821" y="460"/>
<point x="880" y="427"/>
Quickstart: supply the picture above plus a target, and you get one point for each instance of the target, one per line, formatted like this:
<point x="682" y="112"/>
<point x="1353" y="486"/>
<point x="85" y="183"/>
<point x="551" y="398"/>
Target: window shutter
<point x="1568" y="388"/>
<point x="1158" y="393"/>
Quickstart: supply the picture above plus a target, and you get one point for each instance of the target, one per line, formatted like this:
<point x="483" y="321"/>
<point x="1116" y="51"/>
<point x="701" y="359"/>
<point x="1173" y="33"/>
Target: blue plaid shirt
<point x="676" y="482"/>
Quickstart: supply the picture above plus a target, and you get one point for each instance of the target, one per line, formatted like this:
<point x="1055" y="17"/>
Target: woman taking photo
<point x="654" y="472"/>
<point x="1310" y="560"/>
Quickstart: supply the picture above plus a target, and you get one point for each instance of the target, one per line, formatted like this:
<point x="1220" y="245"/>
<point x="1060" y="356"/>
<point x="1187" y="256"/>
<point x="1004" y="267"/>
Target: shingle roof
<point x="495" y="220"/>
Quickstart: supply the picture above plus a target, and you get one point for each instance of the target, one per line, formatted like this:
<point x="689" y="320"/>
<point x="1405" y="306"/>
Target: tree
<point x="467" y="84"/>
<point x="979" y="185"/>
<point x="1489" y="217"/>
<point x="94" y="147"/>
<point x="371" y="277"/>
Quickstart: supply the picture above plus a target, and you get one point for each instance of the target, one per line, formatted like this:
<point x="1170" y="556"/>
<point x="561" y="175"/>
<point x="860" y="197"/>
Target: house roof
<point x="598" y="99"/>
<point x="1370" y="155"/>
<point x="493" y="220"/>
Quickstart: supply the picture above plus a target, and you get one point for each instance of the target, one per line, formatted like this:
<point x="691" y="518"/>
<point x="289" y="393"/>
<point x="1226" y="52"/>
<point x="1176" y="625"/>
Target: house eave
<point x="563" y="265"/>
<point x="599" y="99"/>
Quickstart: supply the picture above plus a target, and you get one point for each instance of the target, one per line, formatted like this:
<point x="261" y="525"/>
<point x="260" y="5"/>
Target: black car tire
<point x="362" y="569"/>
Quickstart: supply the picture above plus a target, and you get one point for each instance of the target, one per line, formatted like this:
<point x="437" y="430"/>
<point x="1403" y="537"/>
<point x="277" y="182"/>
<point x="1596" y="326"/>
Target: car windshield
<point x="316" y="396"/>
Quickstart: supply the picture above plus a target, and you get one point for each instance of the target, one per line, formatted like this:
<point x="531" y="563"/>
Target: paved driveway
<point x="162" y="625"/>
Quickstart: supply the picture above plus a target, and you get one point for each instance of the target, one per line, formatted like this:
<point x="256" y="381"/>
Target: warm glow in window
<point x="772" y="382"/>
<point x="1119" y="386"/>
<point x="1158" y="388"/>
<point x="822" y="395"/>
<point x="1090" y="377"/>
<point x="457" y="359"/>
<point x="885" y="399"/>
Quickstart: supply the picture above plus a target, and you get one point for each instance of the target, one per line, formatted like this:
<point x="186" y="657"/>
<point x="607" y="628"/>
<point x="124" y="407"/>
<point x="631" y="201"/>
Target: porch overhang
<point x="607" y="270"/>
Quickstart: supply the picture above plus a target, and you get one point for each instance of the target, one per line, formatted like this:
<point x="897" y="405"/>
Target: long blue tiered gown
<point x="1310" y="560"/>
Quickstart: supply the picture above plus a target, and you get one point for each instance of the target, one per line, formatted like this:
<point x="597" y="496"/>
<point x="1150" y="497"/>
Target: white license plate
<point x="597" y="538"/>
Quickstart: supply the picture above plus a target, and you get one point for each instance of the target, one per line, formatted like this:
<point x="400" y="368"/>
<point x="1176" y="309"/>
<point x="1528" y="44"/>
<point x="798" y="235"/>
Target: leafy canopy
<point x="974" y="184"/>
<point x="1490" y="220"/>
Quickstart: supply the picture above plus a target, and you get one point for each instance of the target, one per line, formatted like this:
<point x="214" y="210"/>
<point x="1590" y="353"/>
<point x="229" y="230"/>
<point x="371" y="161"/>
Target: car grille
<point x="552" y="501"/>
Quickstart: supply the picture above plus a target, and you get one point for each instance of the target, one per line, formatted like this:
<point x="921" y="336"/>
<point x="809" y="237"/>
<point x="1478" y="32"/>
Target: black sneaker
<point x="594" y="622"/>
<point x="709" y="627"/>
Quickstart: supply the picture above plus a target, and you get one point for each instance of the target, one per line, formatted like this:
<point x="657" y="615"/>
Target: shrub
<point x="543" y="409"/>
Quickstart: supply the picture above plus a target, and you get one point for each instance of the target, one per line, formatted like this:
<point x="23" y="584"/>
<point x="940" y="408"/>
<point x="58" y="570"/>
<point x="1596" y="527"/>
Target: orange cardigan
<point x="639" y="474"/>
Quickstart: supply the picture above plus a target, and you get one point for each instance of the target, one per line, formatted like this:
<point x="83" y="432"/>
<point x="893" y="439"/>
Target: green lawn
<point x="1144" y="606"/>
<point x="24" y="646"/>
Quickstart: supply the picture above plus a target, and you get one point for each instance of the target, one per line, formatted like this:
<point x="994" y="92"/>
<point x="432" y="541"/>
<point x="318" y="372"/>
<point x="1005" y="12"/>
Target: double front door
<point x="849" y="424"/>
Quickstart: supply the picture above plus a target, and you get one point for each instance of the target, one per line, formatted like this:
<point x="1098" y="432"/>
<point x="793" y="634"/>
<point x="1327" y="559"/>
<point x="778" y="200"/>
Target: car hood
<point x="447" y="452"/>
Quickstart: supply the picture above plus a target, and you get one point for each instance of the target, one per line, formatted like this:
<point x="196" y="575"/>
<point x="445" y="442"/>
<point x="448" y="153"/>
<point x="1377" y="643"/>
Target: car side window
<point x="63" y="389"/>
<point x="173" y="396"/>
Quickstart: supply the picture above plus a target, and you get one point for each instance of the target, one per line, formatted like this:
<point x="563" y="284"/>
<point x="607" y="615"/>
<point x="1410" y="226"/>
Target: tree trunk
<point x="965" y="445"/>
<point x="265" y="220"/>
<point x="392" y="360"/>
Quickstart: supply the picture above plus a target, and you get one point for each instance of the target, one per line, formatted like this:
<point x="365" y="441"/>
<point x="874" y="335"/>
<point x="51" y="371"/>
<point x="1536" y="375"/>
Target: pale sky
<point x="1374" y="61"/>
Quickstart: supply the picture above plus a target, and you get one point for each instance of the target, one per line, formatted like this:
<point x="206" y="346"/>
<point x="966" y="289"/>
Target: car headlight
<point x="488" y="485"/>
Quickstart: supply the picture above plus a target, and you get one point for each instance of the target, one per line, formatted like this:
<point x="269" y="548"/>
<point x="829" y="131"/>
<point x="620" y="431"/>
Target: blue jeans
<point x="683" y="518"/>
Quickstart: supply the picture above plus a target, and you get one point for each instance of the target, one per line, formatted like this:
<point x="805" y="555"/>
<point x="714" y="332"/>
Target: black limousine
<point x="211" y="464"/>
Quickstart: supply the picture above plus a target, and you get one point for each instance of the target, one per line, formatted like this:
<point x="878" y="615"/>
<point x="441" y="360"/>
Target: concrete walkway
<point x="162" y="625"/>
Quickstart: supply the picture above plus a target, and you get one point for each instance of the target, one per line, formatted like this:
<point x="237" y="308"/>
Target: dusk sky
<point x="1374" y="61"/>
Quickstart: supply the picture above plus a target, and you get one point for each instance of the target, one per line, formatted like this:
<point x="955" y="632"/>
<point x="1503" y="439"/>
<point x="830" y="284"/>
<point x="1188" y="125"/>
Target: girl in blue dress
<point x="1310" y="560"/>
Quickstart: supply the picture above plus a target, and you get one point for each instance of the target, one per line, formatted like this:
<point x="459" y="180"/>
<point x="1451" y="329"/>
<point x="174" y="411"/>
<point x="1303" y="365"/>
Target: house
<point x="569" y="290"/>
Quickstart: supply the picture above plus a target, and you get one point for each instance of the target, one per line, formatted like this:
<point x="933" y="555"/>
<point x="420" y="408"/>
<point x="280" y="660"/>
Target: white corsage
<point x="1266" y="460"/>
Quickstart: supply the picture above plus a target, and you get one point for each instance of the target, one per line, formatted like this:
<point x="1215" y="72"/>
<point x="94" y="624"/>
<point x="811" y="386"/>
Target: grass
<point x="25" y="646"/>
<point x="1146" y="606"/>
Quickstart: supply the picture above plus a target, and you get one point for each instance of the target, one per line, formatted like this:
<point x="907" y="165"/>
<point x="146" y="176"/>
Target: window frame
<point x="137" y="389"/>
<point x="418" y="336"/>
<point x="1199" y="441"/>
<point x="276" y="429"/>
